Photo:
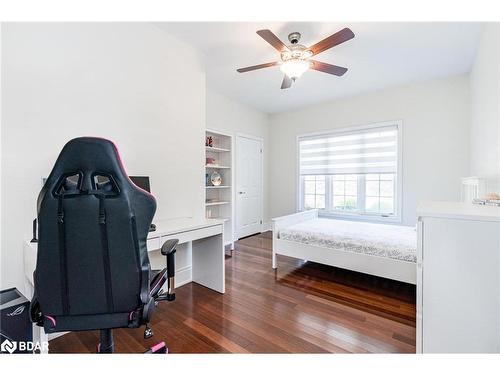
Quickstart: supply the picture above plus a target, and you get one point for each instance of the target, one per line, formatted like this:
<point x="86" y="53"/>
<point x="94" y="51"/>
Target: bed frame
<point x="373" y="265"/>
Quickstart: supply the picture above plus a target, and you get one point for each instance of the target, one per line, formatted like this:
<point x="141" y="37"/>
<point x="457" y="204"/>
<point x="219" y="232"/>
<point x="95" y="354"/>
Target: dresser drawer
<point x="194" y="235"/>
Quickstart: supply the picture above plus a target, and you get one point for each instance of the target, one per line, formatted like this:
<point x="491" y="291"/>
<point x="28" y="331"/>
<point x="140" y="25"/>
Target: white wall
<point x="132" y="83"/>
<point x="485" y="104"/>
<point x="435" y="117"/>
<point x="229" y="116"/>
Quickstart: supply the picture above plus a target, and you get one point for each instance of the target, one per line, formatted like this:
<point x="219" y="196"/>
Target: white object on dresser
<point x="458" y="282"/>
<point x="478" y="187"/>
<point x="219" y="199"/>
<point x="200" y="252"/>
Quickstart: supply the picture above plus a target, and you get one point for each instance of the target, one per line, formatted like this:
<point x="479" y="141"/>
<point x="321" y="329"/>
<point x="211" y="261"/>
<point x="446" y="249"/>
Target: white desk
<point x="201" y="255"/>
<point x="204" y="245"/>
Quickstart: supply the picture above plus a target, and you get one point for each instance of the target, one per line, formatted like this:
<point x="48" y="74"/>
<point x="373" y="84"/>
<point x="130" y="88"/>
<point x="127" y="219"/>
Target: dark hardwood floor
<point x="301" y="308"/>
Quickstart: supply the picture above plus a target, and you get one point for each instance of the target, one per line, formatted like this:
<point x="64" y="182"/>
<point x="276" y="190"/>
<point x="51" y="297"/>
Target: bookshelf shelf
<point x="215" y="166"/>
<point x="216" y="149"/>
<point x="218" y="203"/>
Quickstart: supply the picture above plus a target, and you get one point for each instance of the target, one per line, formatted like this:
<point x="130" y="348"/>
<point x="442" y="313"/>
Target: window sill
<point x="360" y="217"/>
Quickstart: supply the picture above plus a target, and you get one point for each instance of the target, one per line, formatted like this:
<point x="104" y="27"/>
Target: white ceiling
<point x="381" y="55"/>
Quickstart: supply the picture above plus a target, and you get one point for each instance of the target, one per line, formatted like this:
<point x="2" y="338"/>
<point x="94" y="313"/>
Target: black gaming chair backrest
<point x="93" y="226"/>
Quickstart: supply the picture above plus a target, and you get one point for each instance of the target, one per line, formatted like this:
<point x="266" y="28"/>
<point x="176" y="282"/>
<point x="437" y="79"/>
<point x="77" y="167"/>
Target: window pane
<point x="309" y="187"/>
<point x="387" y="177"/>
<point x="387" y="205"/>
<point x="351" y="187"/>
<point x="338" y="187"/>
<point x="372" y="177"/>
<point x="372" y="188"/>
<point x="351" y="203"/>
<point x="320" y="186"/>
<point x="371" y="204"/>
<point x="386" y="188"/>
<point x="320" y="201"/>
<point x="309" y="178"/>
<point x="351" y="177"/>
<point x="309" y="202"/>
<point x="338" y="202"/>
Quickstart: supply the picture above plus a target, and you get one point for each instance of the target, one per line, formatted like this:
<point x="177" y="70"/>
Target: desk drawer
<point x="194" y="235"/>
<point x="153" y="244"/>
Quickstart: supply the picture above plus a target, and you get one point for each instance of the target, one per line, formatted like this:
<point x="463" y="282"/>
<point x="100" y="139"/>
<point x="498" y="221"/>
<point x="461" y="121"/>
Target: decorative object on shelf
<point x="209" y="141"/>
<point x="207" y="179"/>
<point x="216" y="179"/>
<point x="209" y="161"/>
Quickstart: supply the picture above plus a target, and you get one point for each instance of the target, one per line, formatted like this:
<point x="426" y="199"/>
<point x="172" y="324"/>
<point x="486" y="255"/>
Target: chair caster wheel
<point x="148" y="332"/>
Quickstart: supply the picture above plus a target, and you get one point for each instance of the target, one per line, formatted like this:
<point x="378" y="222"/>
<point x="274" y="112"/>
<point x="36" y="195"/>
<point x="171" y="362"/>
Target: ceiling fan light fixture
<point x="294" y="68"/>
<point x="296" y="58"/>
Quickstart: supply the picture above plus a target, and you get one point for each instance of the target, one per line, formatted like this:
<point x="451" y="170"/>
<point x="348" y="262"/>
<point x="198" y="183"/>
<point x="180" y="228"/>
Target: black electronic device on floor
<point x="15" y="325"/>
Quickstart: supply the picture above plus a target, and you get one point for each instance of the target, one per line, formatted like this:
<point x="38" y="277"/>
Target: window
<point x="352" y="172"/>
<point x="379" y="193"/>
<point x="345" y="192"/>
<point x="314" y="192"/>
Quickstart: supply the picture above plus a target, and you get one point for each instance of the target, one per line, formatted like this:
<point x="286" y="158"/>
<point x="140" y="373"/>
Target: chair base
<point x="106" y="343"/>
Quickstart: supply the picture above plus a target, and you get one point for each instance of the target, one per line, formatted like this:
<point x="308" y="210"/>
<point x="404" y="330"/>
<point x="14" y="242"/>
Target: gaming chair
<point x="92" y="270"/>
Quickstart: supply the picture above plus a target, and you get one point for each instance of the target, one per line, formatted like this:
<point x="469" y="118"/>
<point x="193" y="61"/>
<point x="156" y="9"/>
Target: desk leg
<point x="208" y="262"/>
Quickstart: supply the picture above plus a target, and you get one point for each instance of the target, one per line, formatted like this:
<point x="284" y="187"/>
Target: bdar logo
<point x="17" y="311"/>
<point x="8" y="346"/>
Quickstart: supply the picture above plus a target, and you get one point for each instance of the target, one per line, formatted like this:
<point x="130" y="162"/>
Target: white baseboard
<point x="267" y="226"/>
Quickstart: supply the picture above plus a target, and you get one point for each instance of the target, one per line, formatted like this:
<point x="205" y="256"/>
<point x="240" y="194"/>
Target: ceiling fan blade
<point x="328" y="68"/>
<point x="272" y="39"/>
<point x="287" y="82"/>
<point x="255" y="67"/>
<point x="332" y="41"/>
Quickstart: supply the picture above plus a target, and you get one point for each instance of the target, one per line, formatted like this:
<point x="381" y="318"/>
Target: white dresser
<point x="458" y="278"/>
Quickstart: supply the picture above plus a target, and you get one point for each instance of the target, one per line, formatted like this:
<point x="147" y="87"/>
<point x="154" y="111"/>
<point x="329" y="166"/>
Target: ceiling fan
<point x="296" y="58"/>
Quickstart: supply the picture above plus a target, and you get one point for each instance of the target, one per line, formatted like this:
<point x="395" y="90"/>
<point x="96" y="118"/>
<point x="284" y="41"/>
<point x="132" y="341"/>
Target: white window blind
<point x="372" y="150"/>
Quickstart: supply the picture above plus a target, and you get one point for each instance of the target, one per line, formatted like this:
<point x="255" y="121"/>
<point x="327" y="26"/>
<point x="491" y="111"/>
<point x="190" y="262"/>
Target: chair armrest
<point x="169" y="246"/>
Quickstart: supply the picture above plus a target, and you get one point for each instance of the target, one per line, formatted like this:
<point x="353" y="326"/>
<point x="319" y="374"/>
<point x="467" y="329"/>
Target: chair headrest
<point x="88" y="164"/>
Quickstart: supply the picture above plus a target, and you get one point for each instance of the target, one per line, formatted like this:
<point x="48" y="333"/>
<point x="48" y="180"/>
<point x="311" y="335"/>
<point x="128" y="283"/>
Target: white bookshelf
<point x="219" y="199"/>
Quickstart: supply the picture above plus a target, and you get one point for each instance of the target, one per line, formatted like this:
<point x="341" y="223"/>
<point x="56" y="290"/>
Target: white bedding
<point x="391" y="241"/>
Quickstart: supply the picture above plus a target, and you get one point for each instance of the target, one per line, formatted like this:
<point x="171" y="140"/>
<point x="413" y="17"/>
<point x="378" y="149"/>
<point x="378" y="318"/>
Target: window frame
<point x="361" y="216"/>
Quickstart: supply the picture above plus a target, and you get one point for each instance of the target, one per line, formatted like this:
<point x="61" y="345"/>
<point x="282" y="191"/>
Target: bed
<point x="377" y="249"/>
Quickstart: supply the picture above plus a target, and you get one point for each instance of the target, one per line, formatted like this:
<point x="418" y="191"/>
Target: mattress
<point x="390" y="241"/>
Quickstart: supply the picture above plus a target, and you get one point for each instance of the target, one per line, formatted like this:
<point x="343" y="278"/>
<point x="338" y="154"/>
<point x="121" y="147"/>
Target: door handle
<point x="241" y="192"/>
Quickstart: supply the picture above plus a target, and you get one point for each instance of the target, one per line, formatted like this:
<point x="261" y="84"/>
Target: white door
<point x="248" y="186"/>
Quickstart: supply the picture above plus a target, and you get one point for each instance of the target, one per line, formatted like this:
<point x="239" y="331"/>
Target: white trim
<point x="249" y="136"/>
<point x="261" y="140"/>
<point x="209" y="130"/>
<point x="348" y="129"/>
<point x="267" y="226"/>
<point x="419" y="317"/>
<point x="397" y="217"/>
